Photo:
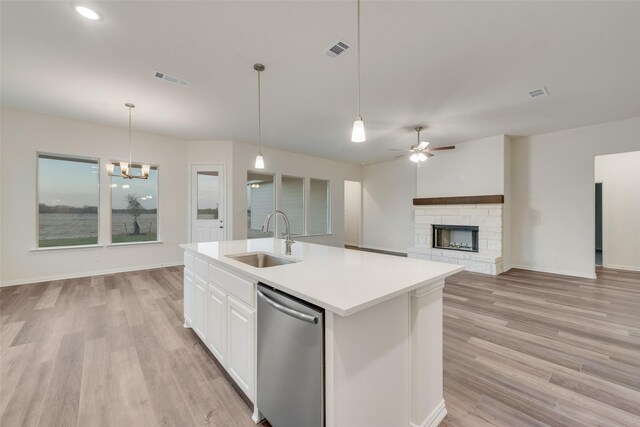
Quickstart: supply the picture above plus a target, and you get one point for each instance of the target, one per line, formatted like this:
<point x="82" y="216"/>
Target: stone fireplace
<point x="460" y="230"/>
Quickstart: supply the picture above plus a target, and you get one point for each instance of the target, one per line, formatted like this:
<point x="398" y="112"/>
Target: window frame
<point x="158" y="239"/>
<point x="329" y="229"/>
<point x="70" y="157"/>
<point x="276" y="188"/>
<point x="305" y="204"/>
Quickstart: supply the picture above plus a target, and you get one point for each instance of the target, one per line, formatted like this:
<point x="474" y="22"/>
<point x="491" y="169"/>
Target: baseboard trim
<point x="435" y="417"/>
<point x="554" y="271"/>
<point x="621" y="267"/>
<point x="49" y="278"/>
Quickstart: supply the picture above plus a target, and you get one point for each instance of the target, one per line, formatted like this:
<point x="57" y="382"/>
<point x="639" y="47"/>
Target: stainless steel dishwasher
<point x="290" y="360"/>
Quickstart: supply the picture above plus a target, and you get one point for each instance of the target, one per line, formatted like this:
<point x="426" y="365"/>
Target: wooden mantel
<point x="459" y="200"/>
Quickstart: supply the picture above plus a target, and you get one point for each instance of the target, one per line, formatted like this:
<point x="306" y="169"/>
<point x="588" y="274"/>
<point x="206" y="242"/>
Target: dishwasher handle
<point x="289" y="311"/>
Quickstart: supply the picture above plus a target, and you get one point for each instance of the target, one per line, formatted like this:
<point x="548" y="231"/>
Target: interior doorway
<point x="598" y="224"/>
<point x="617" y="209"/>
<point x="352" y="213"/>
<point x="207" y="203"/>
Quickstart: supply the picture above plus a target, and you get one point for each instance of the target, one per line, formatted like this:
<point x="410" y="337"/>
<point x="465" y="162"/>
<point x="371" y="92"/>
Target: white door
<point x="217" y="328"/>
<point x="188" y="298"/>
<point x="240" y="353"/>
<point x="207" y="203"/>
<point x="199" y="304"/>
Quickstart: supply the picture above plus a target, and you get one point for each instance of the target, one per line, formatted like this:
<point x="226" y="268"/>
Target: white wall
<point x="23" y="134"/>
<point x="388" y="190"/>
<point x="474" y="168"/>
<point x="291" y="164"/>
<point x="620" y="178"/>
<point x="352" y="212"/>
<point x="553" y="218"/>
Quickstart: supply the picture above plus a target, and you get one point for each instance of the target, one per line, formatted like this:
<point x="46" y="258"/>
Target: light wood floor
<point x="521" y="349"/>
<point x="535" y="349"/>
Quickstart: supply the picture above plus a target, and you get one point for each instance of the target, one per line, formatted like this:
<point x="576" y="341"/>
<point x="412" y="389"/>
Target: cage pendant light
<point x="357" y="133"/>
<point x="259" y="159"/>
<point x="126" y="167"/>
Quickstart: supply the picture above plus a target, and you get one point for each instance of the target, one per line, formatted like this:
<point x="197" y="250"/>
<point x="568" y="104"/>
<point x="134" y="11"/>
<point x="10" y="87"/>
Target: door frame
<point x="226" y="218"/>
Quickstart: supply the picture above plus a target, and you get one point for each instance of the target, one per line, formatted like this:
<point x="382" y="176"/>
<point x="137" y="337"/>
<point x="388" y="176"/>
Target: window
<point x="208" y="188"/>
<point x="260" y="202"/>
<point x="293" y="205"/>
<point x="68" y="196"/>
<point x="318" y="207"/>
<point x="134" y="207"/>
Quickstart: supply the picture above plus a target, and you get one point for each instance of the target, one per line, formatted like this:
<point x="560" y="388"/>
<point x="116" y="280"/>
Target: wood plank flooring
<point x="532" y="349"/>
<point x="108" y="351"/>
<point x="521" y="349"/>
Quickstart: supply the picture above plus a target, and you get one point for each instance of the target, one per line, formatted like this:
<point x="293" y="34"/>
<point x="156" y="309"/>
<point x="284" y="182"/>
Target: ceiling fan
<point x="419" y="153"/>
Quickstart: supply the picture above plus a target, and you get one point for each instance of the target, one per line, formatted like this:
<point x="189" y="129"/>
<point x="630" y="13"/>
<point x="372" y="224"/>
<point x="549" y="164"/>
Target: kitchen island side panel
<point x="368" y="366"/>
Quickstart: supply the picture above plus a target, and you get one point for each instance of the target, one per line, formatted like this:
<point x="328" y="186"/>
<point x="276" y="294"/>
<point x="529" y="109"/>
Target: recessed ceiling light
<point x="87" y="13"/>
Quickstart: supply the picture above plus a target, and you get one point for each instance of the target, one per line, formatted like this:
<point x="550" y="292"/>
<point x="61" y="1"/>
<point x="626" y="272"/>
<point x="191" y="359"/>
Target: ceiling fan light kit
<point x="419" y="153"/>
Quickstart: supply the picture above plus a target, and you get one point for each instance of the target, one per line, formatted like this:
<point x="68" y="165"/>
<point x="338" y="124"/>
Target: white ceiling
<point x="462" y="69"/>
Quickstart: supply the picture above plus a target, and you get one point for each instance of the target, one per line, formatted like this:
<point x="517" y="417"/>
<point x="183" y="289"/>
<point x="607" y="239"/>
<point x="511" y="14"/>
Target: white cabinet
<point x="220" y="307"/>
<point x="240" y="349"/>
<point x="199" y="320"/>
<point x="188" y="297"/>
<point x="217" y="323"/>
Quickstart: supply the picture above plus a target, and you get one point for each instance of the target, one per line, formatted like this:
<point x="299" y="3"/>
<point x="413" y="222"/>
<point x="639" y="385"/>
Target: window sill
<point x="151" y="242"/>
<point x="62" y="248"/>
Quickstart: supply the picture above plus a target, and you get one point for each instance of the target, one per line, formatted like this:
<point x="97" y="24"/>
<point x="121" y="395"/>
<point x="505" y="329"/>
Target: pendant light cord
<point x="259" y="118"/>
<point x="358" y="57"/>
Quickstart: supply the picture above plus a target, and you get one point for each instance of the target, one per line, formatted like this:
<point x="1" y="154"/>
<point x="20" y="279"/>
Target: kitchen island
<point x="383" y="324"/>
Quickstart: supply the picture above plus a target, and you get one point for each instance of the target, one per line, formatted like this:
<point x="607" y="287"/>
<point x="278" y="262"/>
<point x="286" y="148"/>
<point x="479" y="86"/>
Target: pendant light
<point x="357" y="133"/>
<point x="259" y="159"/>
<point x="125" y="167"/>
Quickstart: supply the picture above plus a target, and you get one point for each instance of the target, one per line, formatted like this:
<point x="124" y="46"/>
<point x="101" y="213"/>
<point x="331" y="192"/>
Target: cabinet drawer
<point x="189" y="260"/>
<point x="240" y="288"/>
<point x="202" y="267"/>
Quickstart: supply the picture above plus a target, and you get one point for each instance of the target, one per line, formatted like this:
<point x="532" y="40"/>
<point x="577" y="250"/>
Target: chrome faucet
<point x="265" y="229"/>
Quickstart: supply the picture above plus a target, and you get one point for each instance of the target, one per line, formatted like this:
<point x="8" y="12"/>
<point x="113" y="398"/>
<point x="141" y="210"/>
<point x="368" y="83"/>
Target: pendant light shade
<point x="259" y="162"/>
<point x="259" y="159"/>
<point x="357" y="134"/>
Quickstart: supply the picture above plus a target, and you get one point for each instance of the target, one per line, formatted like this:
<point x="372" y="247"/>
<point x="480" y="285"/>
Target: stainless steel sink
<point x="261" y="260"/>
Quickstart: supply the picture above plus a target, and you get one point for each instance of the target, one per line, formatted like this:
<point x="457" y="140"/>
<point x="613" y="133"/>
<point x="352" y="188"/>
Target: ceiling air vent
<point x="172" y="79"/>
<point x="539" y="92"/>
<point x="337" y="49"/>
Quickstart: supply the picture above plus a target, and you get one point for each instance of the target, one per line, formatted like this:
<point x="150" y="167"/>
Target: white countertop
<point x="340" y="280"/>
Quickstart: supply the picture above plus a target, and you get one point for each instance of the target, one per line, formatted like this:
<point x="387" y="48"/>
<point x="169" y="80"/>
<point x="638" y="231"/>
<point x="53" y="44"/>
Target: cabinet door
<point x="240" y="349"/>
<point x="188" y="297"/>
<point x="199" y="308"/>
<point x="217" y="323"/>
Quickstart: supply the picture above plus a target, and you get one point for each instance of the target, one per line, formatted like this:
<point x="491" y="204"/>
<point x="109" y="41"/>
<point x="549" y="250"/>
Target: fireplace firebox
<point x="455" y="237"/>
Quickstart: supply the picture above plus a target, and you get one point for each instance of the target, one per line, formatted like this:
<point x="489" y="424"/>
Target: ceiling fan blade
<point x="449" y="147"/>
<point x="423" y="145"/>
<point x="396" y="149"/>
<point x="429" y="154"/>
<point x="400" y="157"/>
